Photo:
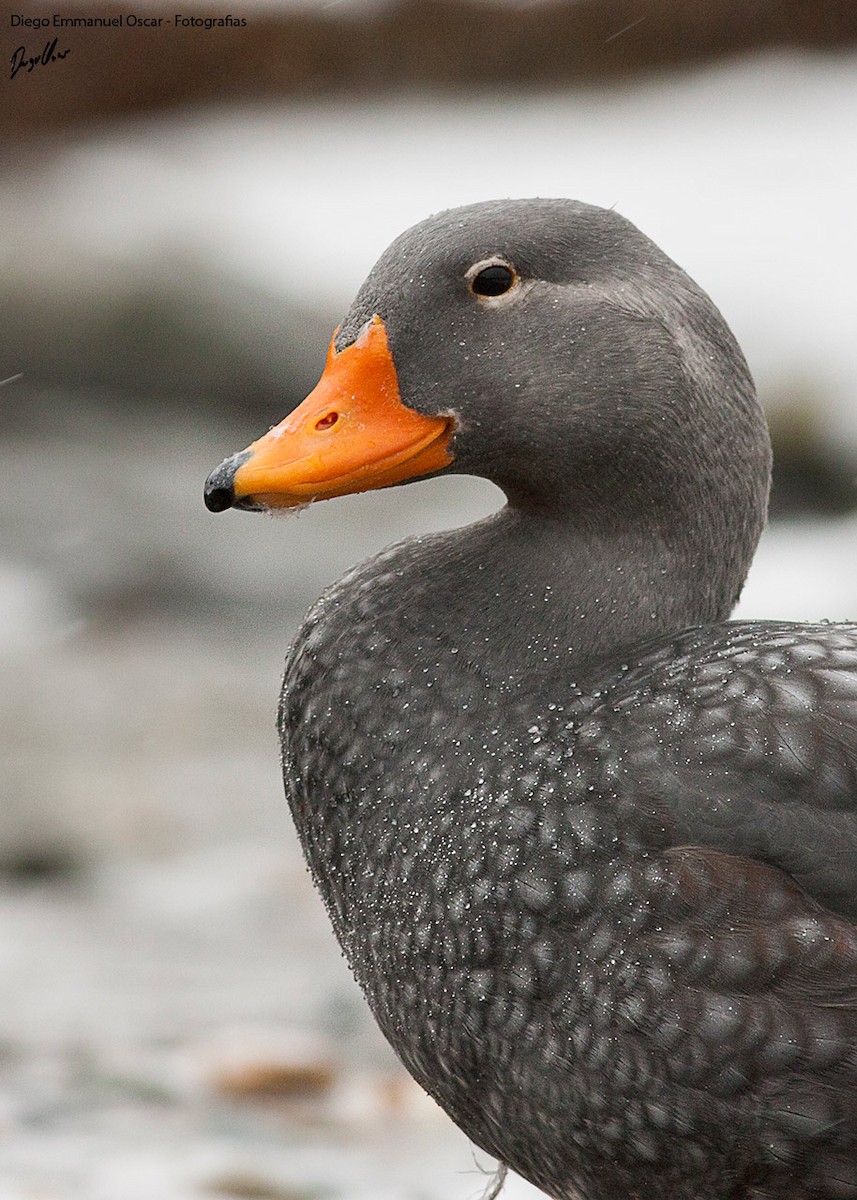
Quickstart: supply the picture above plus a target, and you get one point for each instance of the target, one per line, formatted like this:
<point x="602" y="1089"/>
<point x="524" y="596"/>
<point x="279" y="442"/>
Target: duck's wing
<point x="751" y="1018"/>
<point x="745" y="739"/>
<point x="731" y="754"/>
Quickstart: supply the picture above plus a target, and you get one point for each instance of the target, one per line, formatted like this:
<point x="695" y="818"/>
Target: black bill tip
<point x="219" y="491"/>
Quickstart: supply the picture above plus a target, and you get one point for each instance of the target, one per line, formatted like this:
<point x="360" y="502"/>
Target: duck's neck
<point x="524" y="593"/>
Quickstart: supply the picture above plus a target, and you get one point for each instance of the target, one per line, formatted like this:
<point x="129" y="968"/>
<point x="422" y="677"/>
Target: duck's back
<point x="743" y="738"/>
<point x="747" y="733"/>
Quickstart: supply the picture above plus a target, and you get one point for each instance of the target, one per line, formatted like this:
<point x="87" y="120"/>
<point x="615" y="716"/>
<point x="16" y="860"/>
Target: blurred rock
<point x="248" y="1186"/>
<point x="269" y="1064"/>
<point x="813" y="474"/>
<point x="166" y="325"/>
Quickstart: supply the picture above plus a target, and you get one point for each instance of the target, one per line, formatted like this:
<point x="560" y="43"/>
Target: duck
<point x="588" y="845"/>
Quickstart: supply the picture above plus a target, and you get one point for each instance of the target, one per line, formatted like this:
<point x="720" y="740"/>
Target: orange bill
<point x="351" y="434"/>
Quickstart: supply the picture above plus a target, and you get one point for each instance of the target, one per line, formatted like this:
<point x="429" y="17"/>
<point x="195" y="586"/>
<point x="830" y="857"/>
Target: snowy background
<point x="176" y="1020"/>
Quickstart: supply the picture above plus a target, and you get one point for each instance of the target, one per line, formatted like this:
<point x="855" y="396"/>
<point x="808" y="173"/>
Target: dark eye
<point x="493" y="280"/>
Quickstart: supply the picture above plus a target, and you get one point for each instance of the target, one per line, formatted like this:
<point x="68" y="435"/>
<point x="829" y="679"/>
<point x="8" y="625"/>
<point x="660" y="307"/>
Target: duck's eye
<point x="493" y="280"/>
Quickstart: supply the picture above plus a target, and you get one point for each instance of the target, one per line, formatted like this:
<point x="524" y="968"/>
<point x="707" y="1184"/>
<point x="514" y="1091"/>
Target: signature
<point x="50" y="54"/>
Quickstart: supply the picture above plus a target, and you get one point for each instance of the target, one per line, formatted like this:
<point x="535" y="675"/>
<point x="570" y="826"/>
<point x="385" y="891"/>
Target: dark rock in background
<point x="169" y="329"/>
<point x="810" y="475"/>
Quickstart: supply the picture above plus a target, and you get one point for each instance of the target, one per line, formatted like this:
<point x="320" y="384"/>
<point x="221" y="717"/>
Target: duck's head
<point x="546" y="345"/>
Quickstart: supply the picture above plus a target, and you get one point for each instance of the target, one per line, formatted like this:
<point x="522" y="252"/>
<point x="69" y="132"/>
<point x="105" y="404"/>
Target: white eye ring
<point x="493" y="298"/>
